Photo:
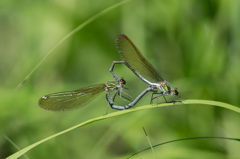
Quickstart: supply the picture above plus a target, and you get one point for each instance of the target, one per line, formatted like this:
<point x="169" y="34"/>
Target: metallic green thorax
<point x="165" y="87"/>
<point x="111" y="85"/>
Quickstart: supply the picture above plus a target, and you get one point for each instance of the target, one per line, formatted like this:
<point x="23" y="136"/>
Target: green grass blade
<point x="155" y="156"/>
<point x="117" y="113"/>
<point x="184" y="139"/>
<point x="78" y="28"/>
<point x="15" y="145"/>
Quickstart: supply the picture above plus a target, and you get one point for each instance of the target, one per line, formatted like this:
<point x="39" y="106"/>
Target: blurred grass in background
<point x="194" y="44"/>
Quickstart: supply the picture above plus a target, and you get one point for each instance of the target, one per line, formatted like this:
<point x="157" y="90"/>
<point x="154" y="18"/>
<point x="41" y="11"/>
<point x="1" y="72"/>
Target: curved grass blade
<point x="135" y="59"/>
<point x="78" y="28"/>
<point x="64" y="101"/>
<point x="118" y="113"/>
<point x="191" y="138"/>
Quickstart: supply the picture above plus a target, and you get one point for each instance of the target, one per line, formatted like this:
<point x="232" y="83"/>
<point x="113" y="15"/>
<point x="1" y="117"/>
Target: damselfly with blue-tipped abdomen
<point x="69" y="100"/>
<point x="135" y="61"/>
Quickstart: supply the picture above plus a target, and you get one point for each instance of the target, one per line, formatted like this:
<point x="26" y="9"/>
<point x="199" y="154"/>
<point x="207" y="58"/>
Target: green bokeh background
<point x="194" y="44"/>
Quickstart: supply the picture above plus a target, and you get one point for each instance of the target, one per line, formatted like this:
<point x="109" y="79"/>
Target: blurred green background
<point x="194" y="44"/>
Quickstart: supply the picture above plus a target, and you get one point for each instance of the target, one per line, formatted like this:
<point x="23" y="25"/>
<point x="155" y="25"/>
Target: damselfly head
<point x="175" y="91"/>
<point x="122" y="81"/>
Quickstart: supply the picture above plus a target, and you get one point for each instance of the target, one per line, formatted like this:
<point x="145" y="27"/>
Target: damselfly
<point x="69" y="100"/>
<point x="135" y="61"/>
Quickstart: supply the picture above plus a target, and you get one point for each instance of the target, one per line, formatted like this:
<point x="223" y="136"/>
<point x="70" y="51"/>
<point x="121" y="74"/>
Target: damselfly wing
<point x="69" y="100"/>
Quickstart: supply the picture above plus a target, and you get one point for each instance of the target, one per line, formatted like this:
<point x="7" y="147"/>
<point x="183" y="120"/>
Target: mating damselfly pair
<point x="134" y="60"/>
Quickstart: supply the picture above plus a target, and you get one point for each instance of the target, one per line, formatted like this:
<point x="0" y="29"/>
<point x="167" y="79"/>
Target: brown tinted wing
<point x="64" y="101"/>
<point x="135" y="59"/>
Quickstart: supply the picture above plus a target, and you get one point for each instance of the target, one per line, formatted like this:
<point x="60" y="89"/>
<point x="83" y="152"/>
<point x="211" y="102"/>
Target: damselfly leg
<point x="157" y="97"/>
<point x="160" y="94"/>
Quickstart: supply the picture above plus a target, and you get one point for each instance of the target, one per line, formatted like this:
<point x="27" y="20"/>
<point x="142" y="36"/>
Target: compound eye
<point x="122" y="81"/>
<point x="175" y="91"/>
